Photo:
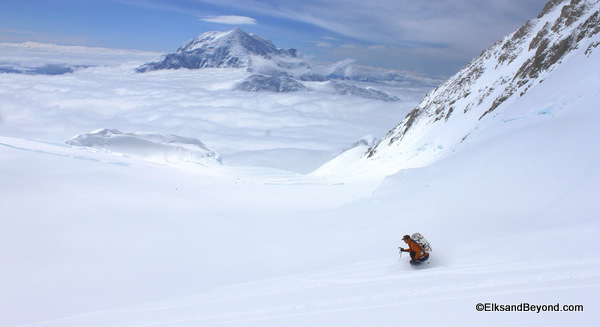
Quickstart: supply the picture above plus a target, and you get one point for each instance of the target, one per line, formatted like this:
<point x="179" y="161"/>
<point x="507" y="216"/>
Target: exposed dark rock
<point x="369" y="93"/>
<point x="256" y="83"/>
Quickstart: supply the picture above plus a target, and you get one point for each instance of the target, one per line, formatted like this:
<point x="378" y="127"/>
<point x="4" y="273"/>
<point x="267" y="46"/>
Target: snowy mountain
<point x="231" y="49"/>
<point x="495" y="82"/>
<point x="275" y="69"/>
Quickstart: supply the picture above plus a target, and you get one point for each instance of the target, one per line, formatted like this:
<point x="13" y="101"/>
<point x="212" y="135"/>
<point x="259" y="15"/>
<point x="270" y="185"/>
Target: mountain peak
<point x="208" y="39"/>
<point x="230" y="49"/>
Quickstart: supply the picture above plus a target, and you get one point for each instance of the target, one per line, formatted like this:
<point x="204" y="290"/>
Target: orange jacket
<point x="414" y="246"/>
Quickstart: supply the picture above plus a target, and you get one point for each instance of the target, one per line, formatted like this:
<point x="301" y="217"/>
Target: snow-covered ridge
<point x="148" y="146"/>
<point x="346" y="158"/>
<point x="238" y="43"/>
<point x="493" y="81"/>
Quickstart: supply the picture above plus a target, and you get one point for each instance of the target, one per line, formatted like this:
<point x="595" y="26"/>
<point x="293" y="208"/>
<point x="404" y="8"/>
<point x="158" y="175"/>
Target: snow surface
<point x="90" y="238"/>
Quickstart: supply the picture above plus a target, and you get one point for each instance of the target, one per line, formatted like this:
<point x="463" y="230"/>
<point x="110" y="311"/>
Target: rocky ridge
<point x="501" y="74"/>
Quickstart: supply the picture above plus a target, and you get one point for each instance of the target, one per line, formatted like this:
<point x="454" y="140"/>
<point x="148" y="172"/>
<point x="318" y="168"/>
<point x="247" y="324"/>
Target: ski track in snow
<point x="358" y="287"/>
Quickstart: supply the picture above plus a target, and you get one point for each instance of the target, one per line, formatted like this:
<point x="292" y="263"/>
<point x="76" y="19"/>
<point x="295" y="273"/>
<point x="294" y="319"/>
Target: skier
<point x="417" y="254"/>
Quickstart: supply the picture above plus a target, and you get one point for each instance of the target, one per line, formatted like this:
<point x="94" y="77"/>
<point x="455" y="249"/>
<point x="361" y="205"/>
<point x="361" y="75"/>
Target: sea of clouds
<point x="293" y="131"/>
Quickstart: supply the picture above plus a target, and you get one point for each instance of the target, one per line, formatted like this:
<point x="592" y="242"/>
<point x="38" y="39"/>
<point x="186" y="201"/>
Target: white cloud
<point x="323" y="44"/>
<point x="190" y="103"/>
<point x="230" y="20"/>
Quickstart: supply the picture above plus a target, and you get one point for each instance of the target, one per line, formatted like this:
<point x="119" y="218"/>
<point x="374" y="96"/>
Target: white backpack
<point x="422" y="241"/>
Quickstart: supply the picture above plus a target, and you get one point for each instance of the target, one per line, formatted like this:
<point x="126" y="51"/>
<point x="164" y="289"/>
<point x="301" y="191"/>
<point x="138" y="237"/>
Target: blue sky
<point x="433" y="37"/>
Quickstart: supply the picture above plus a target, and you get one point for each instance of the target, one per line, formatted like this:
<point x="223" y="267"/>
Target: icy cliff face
<point x="495" y="80"/>
<point x="231" y="49"/>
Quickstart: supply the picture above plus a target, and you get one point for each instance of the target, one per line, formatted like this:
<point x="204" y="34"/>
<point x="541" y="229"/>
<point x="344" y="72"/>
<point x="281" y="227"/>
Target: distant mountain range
<point x="275" y="69"/>
<point x="45" y="69"/>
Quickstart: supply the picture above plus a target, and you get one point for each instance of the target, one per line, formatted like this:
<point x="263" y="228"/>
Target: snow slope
<point x="113" y="241"/>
